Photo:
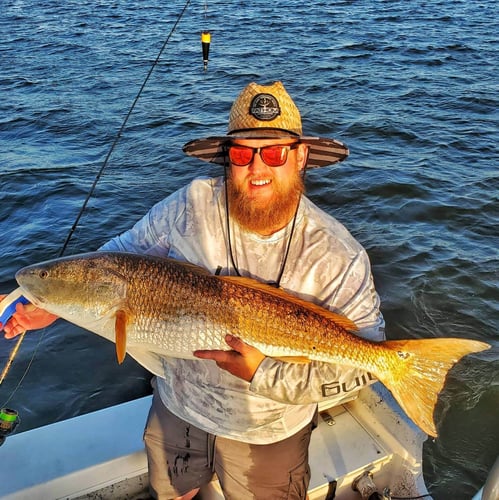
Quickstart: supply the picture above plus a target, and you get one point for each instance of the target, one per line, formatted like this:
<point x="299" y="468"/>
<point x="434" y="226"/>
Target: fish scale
<point x="170" y="308"/>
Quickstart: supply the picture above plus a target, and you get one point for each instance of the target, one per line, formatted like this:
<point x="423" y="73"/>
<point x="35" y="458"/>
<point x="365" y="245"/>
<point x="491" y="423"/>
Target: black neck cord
<point x="277" y="282"/>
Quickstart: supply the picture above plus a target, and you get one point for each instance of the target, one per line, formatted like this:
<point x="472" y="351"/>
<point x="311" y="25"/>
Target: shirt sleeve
<point x="294" y="383"/>
<point x="150" y="235"/>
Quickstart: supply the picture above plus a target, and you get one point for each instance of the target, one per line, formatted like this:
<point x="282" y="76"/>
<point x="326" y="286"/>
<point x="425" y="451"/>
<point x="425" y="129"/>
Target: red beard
<point x="265" y="218"/>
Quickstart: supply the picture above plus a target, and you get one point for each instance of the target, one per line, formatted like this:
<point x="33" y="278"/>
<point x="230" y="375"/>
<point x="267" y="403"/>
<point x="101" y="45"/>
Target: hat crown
<point x="264" y="107"/>
<point x="266" y="112"/>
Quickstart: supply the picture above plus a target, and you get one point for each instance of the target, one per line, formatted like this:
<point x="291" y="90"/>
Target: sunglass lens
<point x="240" y="155"/>
<point x="274" y="156"/>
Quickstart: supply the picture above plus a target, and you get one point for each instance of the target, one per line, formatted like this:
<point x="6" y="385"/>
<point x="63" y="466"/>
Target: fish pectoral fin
<point x="293" y="359"/>
<point x="120" y="335"/>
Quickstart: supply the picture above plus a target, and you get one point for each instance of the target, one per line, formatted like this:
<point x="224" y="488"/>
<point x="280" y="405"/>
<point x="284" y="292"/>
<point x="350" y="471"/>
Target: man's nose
<point x="257" y="163"/>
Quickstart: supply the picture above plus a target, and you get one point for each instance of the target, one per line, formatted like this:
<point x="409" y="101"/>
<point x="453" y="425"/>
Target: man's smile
<point x="260" y="182"/>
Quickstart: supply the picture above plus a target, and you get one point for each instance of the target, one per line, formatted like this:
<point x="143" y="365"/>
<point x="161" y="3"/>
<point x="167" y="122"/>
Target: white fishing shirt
<point x="325" y="265"/>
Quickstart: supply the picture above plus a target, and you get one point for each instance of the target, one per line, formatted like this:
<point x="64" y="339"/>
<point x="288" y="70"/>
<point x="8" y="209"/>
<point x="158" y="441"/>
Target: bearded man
<point x="236" y="413"/>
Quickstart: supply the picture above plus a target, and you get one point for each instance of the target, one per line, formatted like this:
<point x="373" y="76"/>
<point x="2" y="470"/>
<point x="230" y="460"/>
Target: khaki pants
<point x="182" y="457"/>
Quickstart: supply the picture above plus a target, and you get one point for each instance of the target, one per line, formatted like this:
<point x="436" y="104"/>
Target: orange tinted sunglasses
<point x="274" y="155"/>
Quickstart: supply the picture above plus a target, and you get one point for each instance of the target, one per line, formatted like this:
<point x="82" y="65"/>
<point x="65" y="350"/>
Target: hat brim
<point x="322" y="151"/>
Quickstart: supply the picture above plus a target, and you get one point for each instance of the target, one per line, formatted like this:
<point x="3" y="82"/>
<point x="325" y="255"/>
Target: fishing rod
<point x="120" y="132"/>
<point x="9" y="418"/>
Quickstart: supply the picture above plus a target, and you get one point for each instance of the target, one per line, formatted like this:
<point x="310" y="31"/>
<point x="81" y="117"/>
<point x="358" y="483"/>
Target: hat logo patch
<point x="264" y="107"/>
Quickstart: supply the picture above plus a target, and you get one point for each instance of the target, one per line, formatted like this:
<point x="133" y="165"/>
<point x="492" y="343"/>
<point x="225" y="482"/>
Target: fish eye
<point x="43" y="274"/>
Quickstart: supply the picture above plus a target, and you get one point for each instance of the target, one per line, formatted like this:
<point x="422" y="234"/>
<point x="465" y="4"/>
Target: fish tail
<point x="420" y="373"/>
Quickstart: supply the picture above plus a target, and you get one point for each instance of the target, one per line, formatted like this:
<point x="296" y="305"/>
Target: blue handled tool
<point x="8" y="305"/>
<point x="7" y="309"/>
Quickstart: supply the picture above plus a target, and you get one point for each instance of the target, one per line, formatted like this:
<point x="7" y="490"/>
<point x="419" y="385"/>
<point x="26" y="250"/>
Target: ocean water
<point x="411" y="87"/>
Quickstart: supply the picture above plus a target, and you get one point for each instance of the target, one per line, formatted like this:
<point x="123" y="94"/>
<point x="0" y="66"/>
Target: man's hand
<point x="242" y="361"/>
<point x="26" y="317"/>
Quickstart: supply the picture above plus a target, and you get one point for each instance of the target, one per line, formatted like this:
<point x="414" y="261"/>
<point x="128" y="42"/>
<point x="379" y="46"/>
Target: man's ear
<point x="302" y="156"/>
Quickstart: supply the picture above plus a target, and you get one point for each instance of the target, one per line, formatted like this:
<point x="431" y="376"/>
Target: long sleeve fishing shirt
<point x="325" y="265"/>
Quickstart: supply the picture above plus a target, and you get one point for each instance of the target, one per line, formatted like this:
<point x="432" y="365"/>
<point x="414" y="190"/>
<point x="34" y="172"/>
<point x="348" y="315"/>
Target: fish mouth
<point x="25" y="278"/>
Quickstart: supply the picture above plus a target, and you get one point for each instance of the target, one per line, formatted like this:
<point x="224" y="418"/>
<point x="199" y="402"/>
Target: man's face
<point x="264" y="198"/>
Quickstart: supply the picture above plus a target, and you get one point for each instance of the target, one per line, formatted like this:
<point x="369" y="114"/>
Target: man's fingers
<point x="237" y="344"/>
<point x="12" y="330"/>
<point x="217" y="355"/>
<point x="220" y="355"/>
<point x="242" y="360"/>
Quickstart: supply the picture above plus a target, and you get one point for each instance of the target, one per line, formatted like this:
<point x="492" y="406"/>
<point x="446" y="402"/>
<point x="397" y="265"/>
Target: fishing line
<point x="30" y="362"/>
<point x="89" y="195"/>
<point x="120" y="131"/>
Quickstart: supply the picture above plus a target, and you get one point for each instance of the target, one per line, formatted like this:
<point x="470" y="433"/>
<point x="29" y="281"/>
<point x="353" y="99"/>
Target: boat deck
<point x="101" y="455"/>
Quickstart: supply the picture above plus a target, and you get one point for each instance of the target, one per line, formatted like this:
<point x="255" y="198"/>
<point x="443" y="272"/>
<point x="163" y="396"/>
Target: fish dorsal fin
<point x="189" y="266"/>
<point x="253" y="284"/>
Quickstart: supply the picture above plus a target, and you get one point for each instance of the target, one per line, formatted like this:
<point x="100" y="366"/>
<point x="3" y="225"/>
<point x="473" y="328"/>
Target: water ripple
<point x="411" y="87"/>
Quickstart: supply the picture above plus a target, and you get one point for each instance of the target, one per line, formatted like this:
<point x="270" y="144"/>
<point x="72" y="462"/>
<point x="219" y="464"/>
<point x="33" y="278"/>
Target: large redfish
<point x="153" y="306"/>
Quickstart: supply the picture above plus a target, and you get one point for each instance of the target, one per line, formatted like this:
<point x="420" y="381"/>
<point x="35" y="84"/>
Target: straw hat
<point x="265" y="112"/>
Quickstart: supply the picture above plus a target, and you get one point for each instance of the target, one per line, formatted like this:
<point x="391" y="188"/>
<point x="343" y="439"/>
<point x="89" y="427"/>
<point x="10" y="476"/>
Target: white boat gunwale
<point x="103" y="450"/>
